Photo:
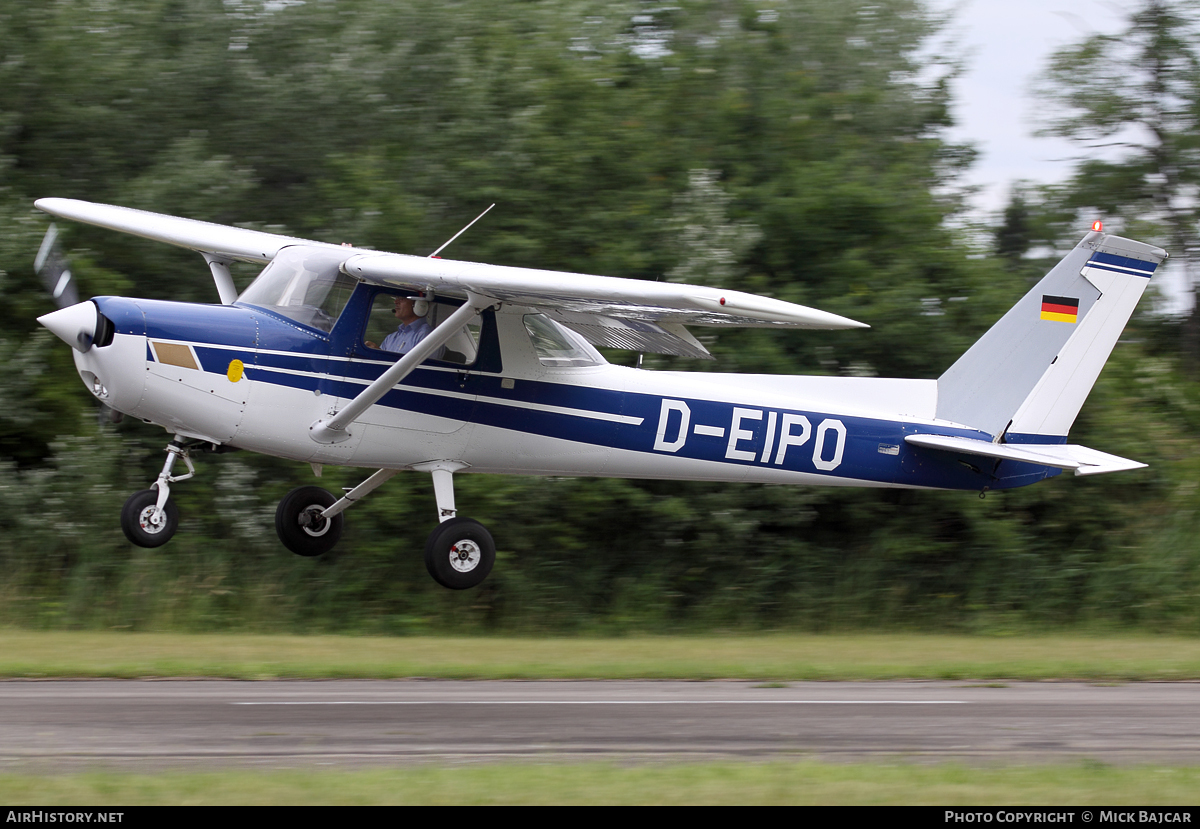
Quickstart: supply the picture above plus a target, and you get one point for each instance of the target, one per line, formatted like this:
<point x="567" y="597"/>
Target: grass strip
<point x="777" y="657"/>
<point x="718" y="783"/>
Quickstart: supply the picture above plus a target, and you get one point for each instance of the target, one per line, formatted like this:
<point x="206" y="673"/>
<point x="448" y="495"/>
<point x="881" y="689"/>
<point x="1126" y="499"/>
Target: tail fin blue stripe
<point x="1121" y="264"/>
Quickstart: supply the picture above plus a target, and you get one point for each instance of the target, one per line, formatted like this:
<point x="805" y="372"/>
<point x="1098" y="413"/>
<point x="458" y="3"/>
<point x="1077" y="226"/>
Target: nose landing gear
<point x="149" y="518"/>
<point x="147" y="524"/>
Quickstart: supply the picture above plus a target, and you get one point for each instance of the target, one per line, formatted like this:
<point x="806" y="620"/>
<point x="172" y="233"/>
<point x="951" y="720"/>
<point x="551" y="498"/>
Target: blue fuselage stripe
<point x="748" y="435"/>
<point x="867" y="453"/>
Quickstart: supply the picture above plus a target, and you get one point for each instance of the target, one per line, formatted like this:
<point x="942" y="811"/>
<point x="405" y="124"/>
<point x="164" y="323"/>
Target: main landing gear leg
<point x="460" y="552"/>
<point x="309" y="519"/>
<point x="149" y="518"/>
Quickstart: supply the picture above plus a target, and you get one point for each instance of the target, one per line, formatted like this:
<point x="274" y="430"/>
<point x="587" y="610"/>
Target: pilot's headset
<point x="421" y="303"/>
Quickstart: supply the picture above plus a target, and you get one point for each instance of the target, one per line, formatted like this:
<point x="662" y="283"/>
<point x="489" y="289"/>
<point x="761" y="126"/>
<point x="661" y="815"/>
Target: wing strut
<point x="333" y="429"/>
<point x="220" y="271"/>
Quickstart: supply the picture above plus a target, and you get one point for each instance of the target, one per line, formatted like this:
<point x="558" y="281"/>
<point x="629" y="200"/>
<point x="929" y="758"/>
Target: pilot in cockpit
<point x="411" y="330"/>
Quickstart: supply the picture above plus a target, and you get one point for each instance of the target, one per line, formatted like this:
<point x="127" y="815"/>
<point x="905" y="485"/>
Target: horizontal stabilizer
<point x="1083" y="460"/>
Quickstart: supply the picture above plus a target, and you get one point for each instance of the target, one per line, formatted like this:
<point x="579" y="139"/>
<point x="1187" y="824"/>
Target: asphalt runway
<point x="72" y="725"/>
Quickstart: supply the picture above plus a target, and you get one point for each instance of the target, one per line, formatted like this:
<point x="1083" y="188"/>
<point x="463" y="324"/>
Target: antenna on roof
<point x="460" y="233"/>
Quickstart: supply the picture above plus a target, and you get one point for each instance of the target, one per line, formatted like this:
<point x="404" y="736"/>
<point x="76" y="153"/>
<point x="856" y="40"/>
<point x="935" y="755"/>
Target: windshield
<point x="304" y="284"/>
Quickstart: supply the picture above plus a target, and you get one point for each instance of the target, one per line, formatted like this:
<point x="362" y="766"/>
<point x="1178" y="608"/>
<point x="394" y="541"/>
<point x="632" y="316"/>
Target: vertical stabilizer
<point x="1028" y="376"/>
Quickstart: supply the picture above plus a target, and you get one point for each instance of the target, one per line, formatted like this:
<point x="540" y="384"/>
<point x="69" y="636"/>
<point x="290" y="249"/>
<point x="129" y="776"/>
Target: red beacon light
<point x="1097" y="225"/>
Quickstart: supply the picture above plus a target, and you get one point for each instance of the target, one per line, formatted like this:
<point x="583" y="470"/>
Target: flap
<point x="633" y="335"/>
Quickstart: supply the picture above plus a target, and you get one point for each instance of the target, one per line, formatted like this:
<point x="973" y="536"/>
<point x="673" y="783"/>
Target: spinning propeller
<point x="75" y="322"/>
<point x="52" y="266"/>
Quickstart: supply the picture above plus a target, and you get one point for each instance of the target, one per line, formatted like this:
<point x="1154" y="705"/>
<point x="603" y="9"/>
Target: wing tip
<point x="47" y="205"/>
<point x="838" y="322"/>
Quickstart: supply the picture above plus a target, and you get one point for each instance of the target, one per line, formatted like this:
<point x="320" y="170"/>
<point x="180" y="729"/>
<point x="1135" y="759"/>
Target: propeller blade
<point x="52" y="266"/>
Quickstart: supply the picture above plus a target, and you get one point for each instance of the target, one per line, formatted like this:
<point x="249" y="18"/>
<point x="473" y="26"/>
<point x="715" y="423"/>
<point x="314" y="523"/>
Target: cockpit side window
<point x="304" y="284"/>
<point x="463" y="347"/>
<point x="384" y="331"/>
<point x="557" y="345"/>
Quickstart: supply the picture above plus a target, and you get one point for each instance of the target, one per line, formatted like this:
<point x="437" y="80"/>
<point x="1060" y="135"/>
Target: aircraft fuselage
<point x="243" y="376"/>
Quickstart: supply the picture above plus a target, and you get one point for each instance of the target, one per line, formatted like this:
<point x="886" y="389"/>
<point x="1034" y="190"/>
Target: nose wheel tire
<point x="460" y="553"/>
<point x="140" y="523"/>
<point x="300" y="526"/>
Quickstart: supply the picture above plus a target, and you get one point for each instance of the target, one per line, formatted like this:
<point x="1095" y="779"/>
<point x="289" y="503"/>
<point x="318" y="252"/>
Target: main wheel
<point x="299" y="523"/>
<point x="460" y="553"/>
<point x="141" y="526"/>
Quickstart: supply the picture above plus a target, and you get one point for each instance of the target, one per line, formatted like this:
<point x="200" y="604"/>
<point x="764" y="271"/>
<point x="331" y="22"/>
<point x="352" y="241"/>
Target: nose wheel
<point x="460" y="553"/>
<point x="144" y="523"/>
<point x="149" y="518"/>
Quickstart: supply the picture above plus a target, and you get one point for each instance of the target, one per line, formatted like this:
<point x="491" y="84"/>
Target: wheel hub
<point x="312" y="522"/>
<point x="152" y="520"/>
<point x="465" y="555"/>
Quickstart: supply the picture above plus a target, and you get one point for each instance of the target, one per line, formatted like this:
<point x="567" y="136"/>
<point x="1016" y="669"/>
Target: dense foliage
<point x="1131" y="100"/>
<point x="793" y="149"/>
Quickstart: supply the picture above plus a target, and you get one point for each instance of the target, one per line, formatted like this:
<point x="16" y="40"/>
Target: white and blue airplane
<point x="509" y="381"/>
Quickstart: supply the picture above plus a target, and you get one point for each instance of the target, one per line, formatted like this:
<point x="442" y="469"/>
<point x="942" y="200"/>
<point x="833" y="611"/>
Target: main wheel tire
<point x="460" y="553"/>
<point x="299" y="525"/>
<point x="137" y="519"/>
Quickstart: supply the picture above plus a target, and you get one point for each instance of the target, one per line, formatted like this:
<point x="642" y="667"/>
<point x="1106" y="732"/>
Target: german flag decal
<point x="1060" y="308"/>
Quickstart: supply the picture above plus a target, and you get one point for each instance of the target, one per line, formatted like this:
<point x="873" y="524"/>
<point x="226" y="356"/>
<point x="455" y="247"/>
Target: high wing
<point x="621" y="313"/>
<point x="204" y="237"/>
<point x="601" y="296"/>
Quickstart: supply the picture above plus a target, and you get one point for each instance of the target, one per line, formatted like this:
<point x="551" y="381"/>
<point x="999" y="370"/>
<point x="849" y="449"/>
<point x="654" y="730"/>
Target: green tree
<point x="1139" y="91"/>
<point x="1014" y="237"/>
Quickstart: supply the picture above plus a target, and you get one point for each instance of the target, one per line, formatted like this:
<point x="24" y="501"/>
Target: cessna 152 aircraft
<point x="508" y="380"/>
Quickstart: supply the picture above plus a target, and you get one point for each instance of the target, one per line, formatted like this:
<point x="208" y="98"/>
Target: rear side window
<point x="557" y="345"/>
